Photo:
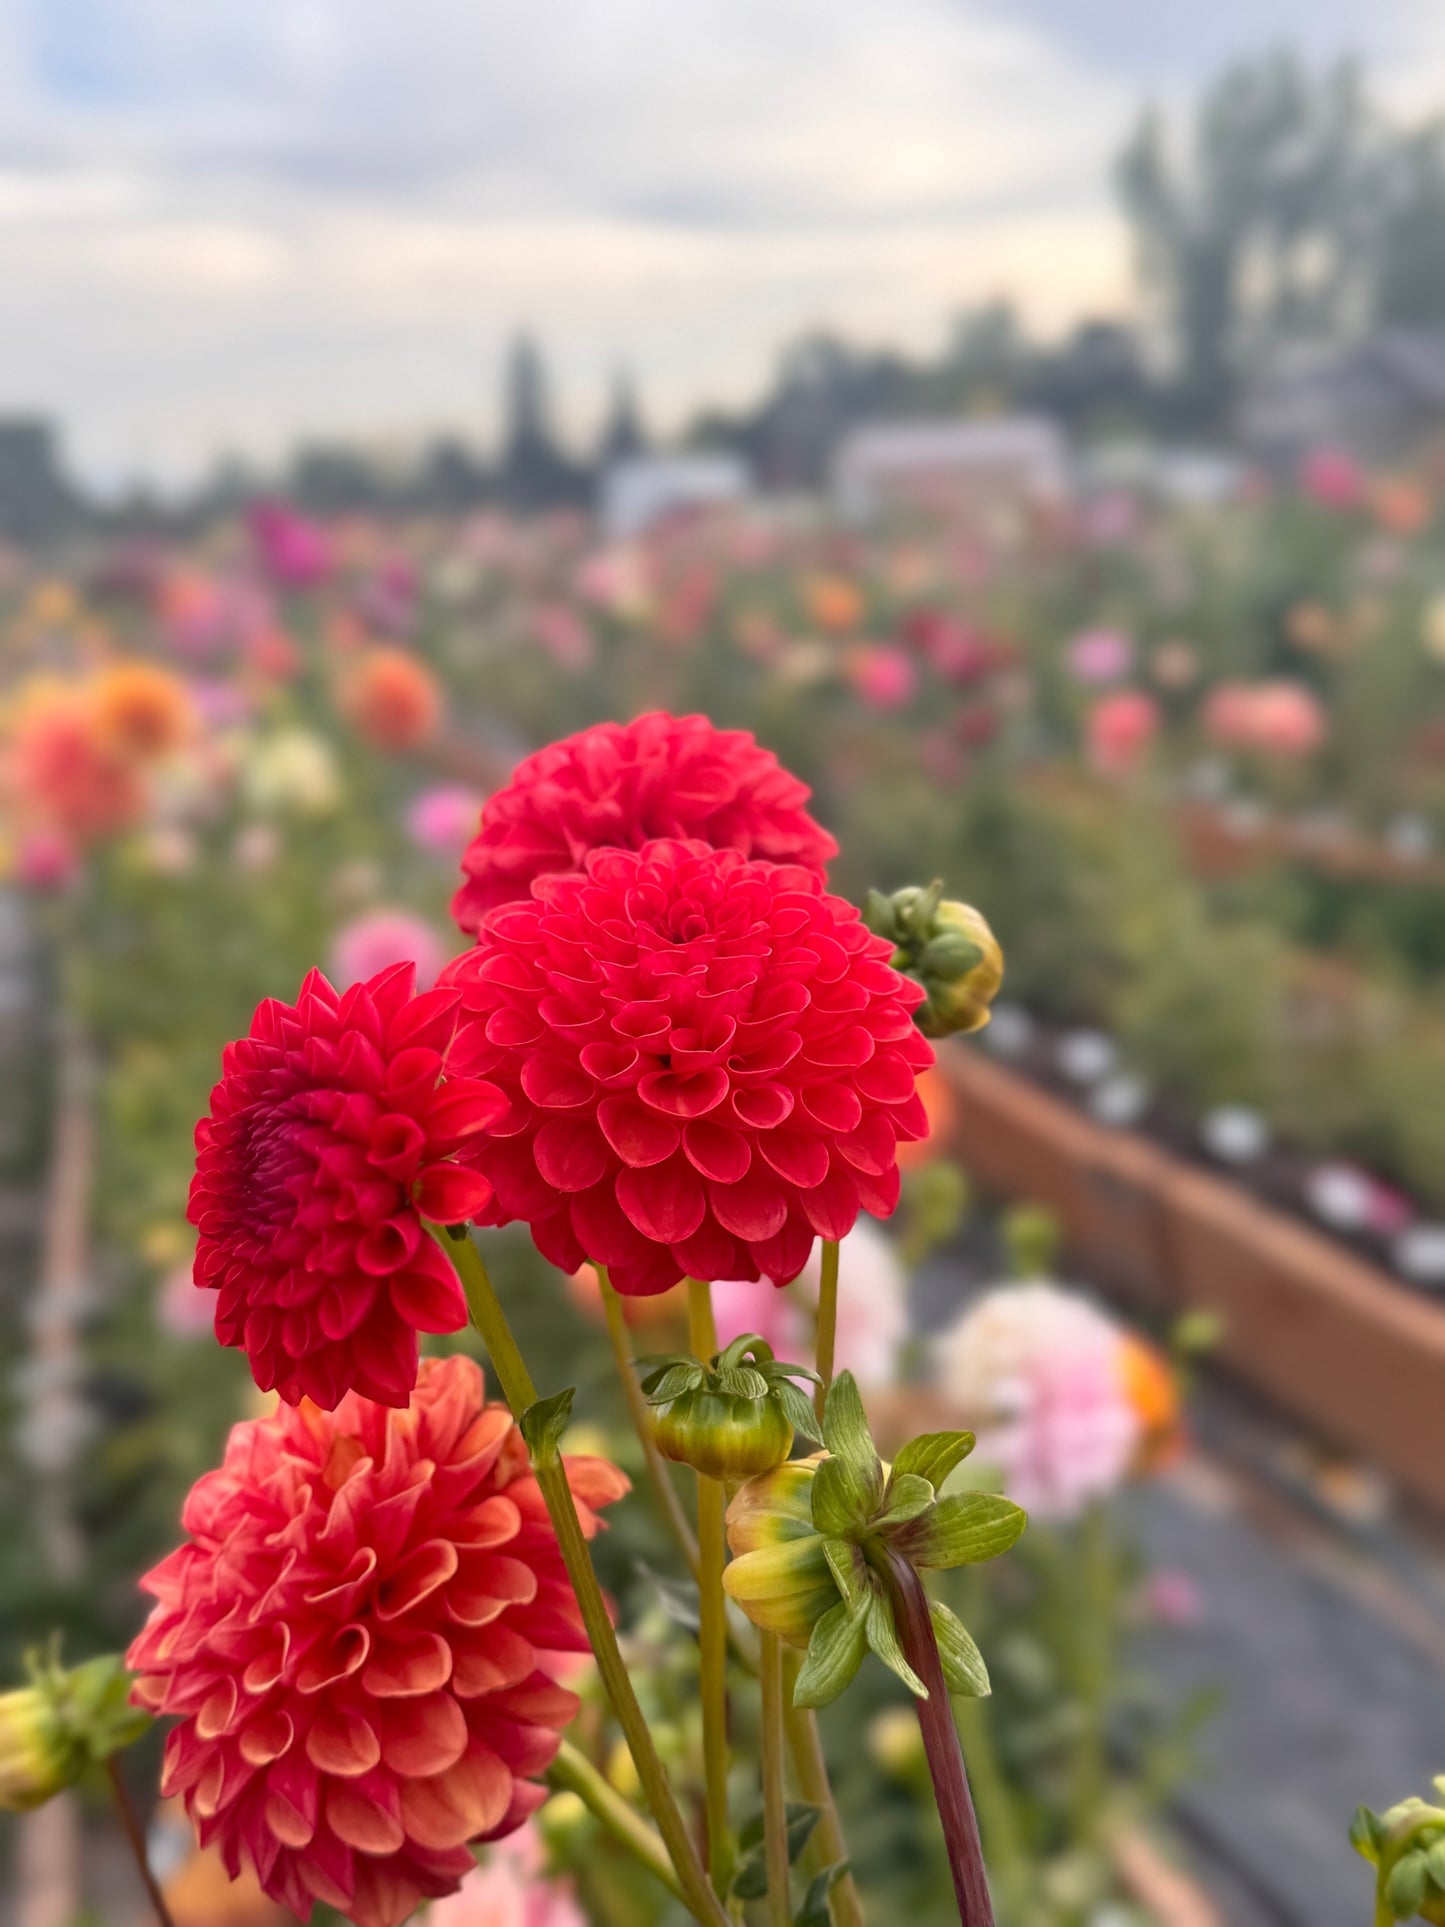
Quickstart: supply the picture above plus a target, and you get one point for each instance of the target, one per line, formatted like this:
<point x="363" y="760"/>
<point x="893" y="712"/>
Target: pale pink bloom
<point x="1039" y="1373"/>
<point x="1119" y="729"/>
<point x="884" y="677"/>
<point x="872" y="1308"/>
<point x="46" y="859"/>
<point x="184" y="1308"/>
<point x="444" y="819"/>
<point x="1171" y="1598"/>
<point x="563" y="634"/>
<point x="1109" y="520"/>
<point x="1099" y="655"/>
<point x="256" y="848"/>
<point x="1332" y="478"/>
<point x="1278" y="718"/>
<point x="509" y="1890"/>
<point x="379" y="938"/>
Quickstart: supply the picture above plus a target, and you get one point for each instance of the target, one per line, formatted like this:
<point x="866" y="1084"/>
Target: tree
<point x="1260" y="240"/>
<point x="1410" y="230"/>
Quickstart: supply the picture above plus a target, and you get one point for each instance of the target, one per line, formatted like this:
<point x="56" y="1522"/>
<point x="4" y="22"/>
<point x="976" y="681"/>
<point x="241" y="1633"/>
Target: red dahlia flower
<point x="331" y="1137"/>
<point x="708" y="1062"/>
<point x="619" y="785"/>
<point x="350" y="1638"/>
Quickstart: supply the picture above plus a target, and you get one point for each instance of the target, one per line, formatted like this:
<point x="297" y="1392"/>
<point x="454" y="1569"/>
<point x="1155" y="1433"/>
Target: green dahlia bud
<point x="812" y="1542"/>
<point x="1406" y="1846"/>
<point x="732" y="1418"/>
<point x="61" y="1724"/>
<point x="948" y="947"/>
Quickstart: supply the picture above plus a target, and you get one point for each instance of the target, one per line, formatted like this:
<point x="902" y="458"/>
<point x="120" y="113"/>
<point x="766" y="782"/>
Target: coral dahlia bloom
<point x="331" y="1137"/>
<point x="142" y="712"/>
<point x="350" y="1637"/>
<point x="620" y="785"/>
<point x="393" y="699"/>
<point x="708" y="1062"/>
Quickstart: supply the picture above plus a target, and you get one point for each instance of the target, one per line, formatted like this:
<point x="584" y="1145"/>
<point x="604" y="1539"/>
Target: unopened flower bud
<point x="948" y="948"/>
<point x="61" y="1724"/>
<point x="730" y="1419"/>
<point x="779" y="1572"/>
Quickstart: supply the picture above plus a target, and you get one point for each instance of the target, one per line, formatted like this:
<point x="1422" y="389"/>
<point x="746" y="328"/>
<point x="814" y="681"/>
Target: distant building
<point x="623" y="435"/>
<point x="35" y="501"/>
<point x="897" y="464"/>
<point x="1380" y="399"/>
<point x="646" y="489"/>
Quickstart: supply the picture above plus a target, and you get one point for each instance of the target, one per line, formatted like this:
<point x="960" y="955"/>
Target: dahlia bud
<point x="811" y="1539"/>
<point x="64" y="1722"/>
<point x="1406" y="1846"/>
<point x="733" y="1418"/>
<point x="945" y="946"/>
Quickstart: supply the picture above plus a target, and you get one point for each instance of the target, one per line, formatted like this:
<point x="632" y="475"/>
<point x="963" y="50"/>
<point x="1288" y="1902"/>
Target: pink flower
<point x="182" y="1310"/>
<point x="1172" y="1598"/>
<point x="1276" y="718"/>
<point x="884" y="677"/>
<point x="564" y="635"/>
<point x="1041" y="1375"/>
<point x="1119" y="729"/>
<point x="443" y="819"/>
<point x="1332" y="478"/>
<point x="294" y="552"/>
<point x="510" y="1890"/>
<point x="872" y="1308"/>
<point x="382" y="937"/>
<point x="46" y="859"/>
<point x="1099" y="656"/>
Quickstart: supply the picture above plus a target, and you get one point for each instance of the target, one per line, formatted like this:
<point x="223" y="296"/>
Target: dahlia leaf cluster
<point x="1406" y="1846"/>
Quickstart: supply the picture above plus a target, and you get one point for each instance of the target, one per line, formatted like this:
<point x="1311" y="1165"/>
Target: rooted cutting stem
<point x="827" y="1340"/>
<point x="657" y="1470"/>
<point x="775" y="1797"/>
<point x="940" y="1742"/>
<point x="712" y="1617"/>
<point x="135" y="1834"/>
<point x="520" y="1393"/>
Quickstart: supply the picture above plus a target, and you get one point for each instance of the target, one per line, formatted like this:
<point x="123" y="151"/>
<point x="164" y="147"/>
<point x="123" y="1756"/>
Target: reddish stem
<point x="941" y="1744"/>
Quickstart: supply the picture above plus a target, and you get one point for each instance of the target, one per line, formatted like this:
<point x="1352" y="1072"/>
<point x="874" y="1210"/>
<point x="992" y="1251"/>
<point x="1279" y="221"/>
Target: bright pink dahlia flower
<point x="619" y="785"/>
<point x="350" y="1638"/>
<point x="708" y="1063"/>
<point x="331" y="1137"/>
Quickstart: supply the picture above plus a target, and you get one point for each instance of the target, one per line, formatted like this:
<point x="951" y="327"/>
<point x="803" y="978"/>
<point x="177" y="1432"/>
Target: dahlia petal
<point x="834" y="1107"/>
<point x="421" y="1737"/>
<point x="218" y="1711"/>
<point x="465" y="1107"/>
<point x="784" y="1255"/>
<point x="716" y="1150"/>
<point x="366" y="1814"/>
<point x="484" y="1662"/>
<point x="832" y="1206"/>
<point x="800" y="1160"/>
<point x="555" y="1238"/>
<point x="879" y="1196"/>
<point x="666" y="1202"/>
<point x="711" y="1252"/>
<point x="684" y="1094"/>
<point x="342" y="1742"/>
<point x="571" y="1153"/>
<point x="287" y="1822"/>
<point x="873" y="1147"/>
<point x="638" y="1135"/>
<point x="449" y="1194"/>
<point x="651" y="1271"/>
<point x="416" y="1578"/>
<point x="762" y="1107"/>
<point x="755" y="1207"/>
<point x="456" y="1806"/>
<point x="556" y="1085"/>
<point x="334" y="1659"/>
<point x="486" y="1584"/>
<point x="266" y="1737"/>
<point x="604" y="1231"/>
<point x="887" y="1078"/>
<point x="514" y="1026"/>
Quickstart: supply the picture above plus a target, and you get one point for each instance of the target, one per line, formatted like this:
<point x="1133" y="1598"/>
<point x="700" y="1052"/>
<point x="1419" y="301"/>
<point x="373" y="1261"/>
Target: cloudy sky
<point x="224" y="223"/>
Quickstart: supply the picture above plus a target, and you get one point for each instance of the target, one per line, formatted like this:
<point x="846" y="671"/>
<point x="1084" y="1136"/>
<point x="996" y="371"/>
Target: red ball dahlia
<point x="619" y="785"/>
<point x="331" y="1136"/>
<point x="708" y="1062"/>
<point x="351" y="1638"/>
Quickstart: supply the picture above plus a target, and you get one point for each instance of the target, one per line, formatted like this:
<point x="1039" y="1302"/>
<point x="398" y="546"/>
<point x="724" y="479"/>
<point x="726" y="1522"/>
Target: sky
<point x="229" y="224"/>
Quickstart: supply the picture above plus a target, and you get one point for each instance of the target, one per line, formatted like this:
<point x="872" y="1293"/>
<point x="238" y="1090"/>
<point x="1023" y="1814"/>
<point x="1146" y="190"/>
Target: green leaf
<point x="933" y="1455"/>
<point x="544" y="1423"/>
<point x="841" y="1506"/>
<point x="1435" y="1861"/>
<point x="1365" y="1835"/>
<point x="797" y="1409"/>
<point x="884" y="1640"/>
<point x="846" y="1435"/>
<point x="960" y="1530"/>
<point x="752" y="1342"/>
<point x="815" y="1911"/>
<point x="963" y="1667"/>
<point x="663" y="1387"/>
<point x="907" y="1497"/>
<point x="835" y="1652"/>
<point x="1405" y="1889"/>
<point x="741" y="1381"/>
<point x="878" y="915"/>
<point x="847" y="1565"/>
<point x="802" y="1819"/>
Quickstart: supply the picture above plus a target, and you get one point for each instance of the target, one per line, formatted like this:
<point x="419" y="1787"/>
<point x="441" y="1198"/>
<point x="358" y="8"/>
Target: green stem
<point x="574" y="1773"/>
<point x="827" y="1322"/>
<point x="135" y="1836"/>
<point x="657" y="1470"/>
<point x="520" y="1393"/>
<point x="811" y="1767"/>
<point x="775" y="1797"/>
<point x="712" y="1617"/>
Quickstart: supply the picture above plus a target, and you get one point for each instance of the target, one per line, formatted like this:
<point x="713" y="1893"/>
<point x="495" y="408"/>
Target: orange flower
<point x="60" y="771"/>
<point x="1152" y="1389"/>
<point x="832" y="603"/>
<point x="142" y="711"/>
<point x="942" y="1108"/>
<point x="1400" y="506"/>
<point x="392" y="699"/>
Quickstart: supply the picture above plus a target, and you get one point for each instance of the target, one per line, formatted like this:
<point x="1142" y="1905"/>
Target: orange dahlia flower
<point x="392" y="699"/>
<point x="351" y="1639"/>
<point x="142" y="711"/>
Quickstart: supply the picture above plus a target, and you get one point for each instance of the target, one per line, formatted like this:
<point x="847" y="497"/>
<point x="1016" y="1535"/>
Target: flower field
<point x="509" y="874"/>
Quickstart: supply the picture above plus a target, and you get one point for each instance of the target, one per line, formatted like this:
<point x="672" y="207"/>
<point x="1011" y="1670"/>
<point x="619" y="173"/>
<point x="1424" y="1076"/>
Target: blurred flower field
<point x="1188" y="760"/>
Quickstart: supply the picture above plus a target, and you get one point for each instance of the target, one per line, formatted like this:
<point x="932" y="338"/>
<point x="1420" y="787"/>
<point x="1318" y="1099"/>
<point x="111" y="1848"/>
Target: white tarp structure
<point x="645" y="489"/>
<point x="895" y="463"/>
